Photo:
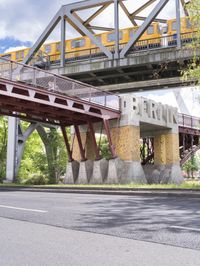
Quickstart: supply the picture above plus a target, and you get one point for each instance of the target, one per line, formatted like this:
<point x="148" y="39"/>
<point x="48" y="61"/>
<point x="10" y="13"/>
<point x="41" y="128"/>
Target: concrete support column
<point x="78" y="171"/>
<point x="166" y="149"/>
<point x="87" y="144"/>
<point x="127" y="143"/>
<point x="11" y="149"/>
<point x="166" y="158"/>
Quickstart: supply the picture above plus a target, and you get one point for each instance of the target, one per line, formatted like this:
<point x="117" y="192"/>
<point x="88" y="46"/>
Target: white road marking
<point x="22" y="209"/>
<point x="186" y="228"/>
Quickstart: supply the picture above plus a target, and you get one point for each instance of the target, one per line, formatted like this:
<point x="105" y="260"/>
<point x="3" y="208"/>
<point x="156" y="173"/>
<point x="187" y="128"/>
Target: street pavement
<point x="73" y="229"/>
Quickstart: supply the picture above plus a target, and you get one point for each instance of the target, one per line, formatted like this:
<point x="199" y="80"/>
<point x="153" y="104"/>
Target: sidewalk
<point x="194" y="193"/>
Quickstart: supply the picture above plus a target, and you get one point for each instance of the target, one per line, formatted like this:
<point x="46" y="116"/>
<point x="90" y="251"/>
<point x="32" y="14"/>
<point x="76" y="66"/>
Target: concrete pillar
<point x="100" y="172"/>
<point x="72" y="172"/>
<point x="127" y="143"/>
<point x="166" y="149"/>
<point x="166" y="154"/>
<point x="11" y="149"/>
<point x="85" y="172"/>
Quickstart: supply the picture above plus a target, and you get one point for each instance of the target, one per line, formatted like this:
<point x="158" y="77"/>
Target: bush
<point x="36" y="179"/>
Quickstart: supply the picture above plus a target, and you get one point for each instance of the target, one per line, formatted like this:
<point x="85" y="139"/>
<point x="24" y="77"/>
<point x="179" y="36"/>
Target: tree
<point x="104" y="148"/>
<point x="193" y="71"/>
<point x="3" y="146"/>
<point x="55" y="151"/>
<point x="34" y="162"/>
<point x="44" y="159"/>
<point x="191" y="166"/>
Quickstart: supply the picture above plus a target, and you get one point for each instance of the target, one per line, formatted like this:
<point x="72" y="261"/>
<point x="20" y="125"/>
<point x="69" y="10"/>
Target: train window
<point x="174" y="25"/>
<point x="159" y="29"/>
<point x="7" y="56"/>
<point x="164" y="29"/>
<point x="98" y="38"/>
<point x="19" y="55"/>
<point x="133" y="32"/>
<point x="58" y="47"/>
<point x="188" y="24"/>
<point x="78" y="43"/>
<point x="150" y="30"/>
<point x="111" y="36"/>
<point x="48" y="49"/>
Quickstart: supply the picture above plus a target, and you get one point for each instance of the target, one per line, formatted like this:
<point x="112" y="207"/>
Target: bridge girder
<point x="68" y="13"/>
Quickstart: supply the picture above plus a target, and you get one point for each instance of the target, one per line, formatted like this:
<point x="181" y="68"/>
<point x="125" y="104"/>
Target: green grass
<point x="185" y="185"/>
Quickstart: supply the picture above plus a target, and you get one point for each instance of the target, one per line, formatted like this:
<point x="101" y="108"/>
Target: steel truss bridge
<point x="36" y="95"/>
<point x="136" y="65"/>
<point x="39" y="96"/>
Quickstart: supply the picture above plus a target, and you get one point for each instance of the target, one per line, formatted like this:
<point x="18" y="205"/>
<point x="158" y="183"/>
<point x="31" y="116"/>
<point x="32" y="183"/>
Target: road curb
<point x="121" y="192"/>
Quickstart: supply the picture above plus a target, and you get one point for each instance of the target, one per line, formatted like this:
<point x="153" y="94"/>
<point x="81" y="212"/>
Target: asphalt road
<point x="75" y="229"/>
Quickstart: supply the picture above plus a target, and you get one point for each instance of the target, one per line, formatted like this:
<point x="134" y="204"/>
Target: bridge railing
<point x="188" y="121"/>
<point x="19" y="72"/>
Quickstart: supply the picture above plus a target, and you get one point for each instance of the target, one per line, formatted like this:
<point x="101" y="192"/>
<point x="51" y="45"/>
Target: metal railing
<point x="19" y="72"/>
<point x="188" y="121"/>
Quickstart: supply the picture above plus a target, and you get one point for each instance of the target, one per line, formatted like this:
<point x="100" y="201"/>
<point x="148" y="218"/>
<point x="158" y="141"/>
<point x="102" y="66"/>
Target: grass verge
<point x="186" y="185"/>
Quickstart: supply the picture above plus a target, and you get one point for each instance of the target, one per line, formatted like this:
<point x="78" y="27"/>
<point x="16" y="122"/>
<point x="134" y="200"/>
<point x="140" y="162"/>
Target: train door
<point x="164" y="31"/>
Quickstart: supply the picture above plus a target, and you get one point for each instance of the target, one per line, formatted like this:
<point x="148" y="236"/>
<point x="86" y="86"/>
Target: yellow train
<point x="83" y="47"/>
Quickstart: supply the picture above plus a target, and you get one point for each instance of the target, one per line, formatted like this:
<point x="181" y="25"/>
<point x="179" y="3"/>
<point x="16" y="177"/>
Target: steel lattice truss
<point x="69" y="13"/>
<point x="38" y="96"/>
<point x="51" y="98"/>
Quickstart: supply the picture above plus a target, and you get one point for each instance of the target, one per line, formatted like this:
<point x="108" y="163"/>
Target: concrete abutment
<point x="140" y="118"/>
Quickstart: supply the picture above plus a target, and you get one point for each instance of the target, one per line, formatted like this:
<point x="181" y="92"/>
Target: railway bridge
<point x="39" y="96"/>
<point x="122" y="67"/>
<point x="137" y="64"/>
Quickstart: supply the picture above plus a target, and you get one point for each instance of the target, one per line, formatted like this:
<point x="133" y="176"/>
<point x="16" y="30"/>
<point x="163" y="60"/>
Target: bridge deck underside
<point x="32" y="103"/>
<point x="145" y="70"/>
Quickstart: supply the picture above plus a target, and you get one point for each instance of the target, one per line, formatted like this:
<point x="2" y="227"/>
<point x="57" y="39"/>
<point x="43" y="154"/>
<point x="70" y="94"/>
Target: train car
<point x="15" y="56"/>
<point x="151" y="38"/>
<point x="186" y="31"/>
<point x="83" y="47"/>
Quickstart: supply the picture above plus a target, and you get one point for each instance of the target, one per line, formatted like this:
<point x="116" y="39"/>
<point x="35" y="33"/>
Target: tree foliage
<point x="193" y="71"/>
<point x="44" y="158"/>
<point x="3" y="146"/>
<point x="191" y="166"/>
<point x="104" y="148"/>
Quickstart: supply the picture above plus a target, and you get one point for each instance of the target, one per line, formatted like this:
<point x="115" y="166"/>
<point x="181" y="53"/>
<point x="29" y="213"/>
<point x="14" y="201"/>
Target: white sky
<point x="188" y="97"/>
<point x="25" y="20"/>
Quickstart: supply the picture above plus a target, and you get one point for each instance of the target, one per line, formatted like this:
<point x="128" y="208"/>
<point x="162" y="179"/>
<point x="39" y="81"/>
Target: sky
<point x="186" y="99"/>
<point x="23" y="21"/>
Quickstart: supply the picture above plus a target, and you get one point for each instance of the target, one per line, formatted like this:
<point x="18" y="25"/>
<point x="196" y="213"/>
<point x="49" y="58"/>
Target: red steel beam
<point x="82" y="151"/>
<point x="65" y="103"/>
<point x="42" y="111"/>
<point x="92" y="134"/>
<point x="67" y="143"/>
<point x="107" y="130"/>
